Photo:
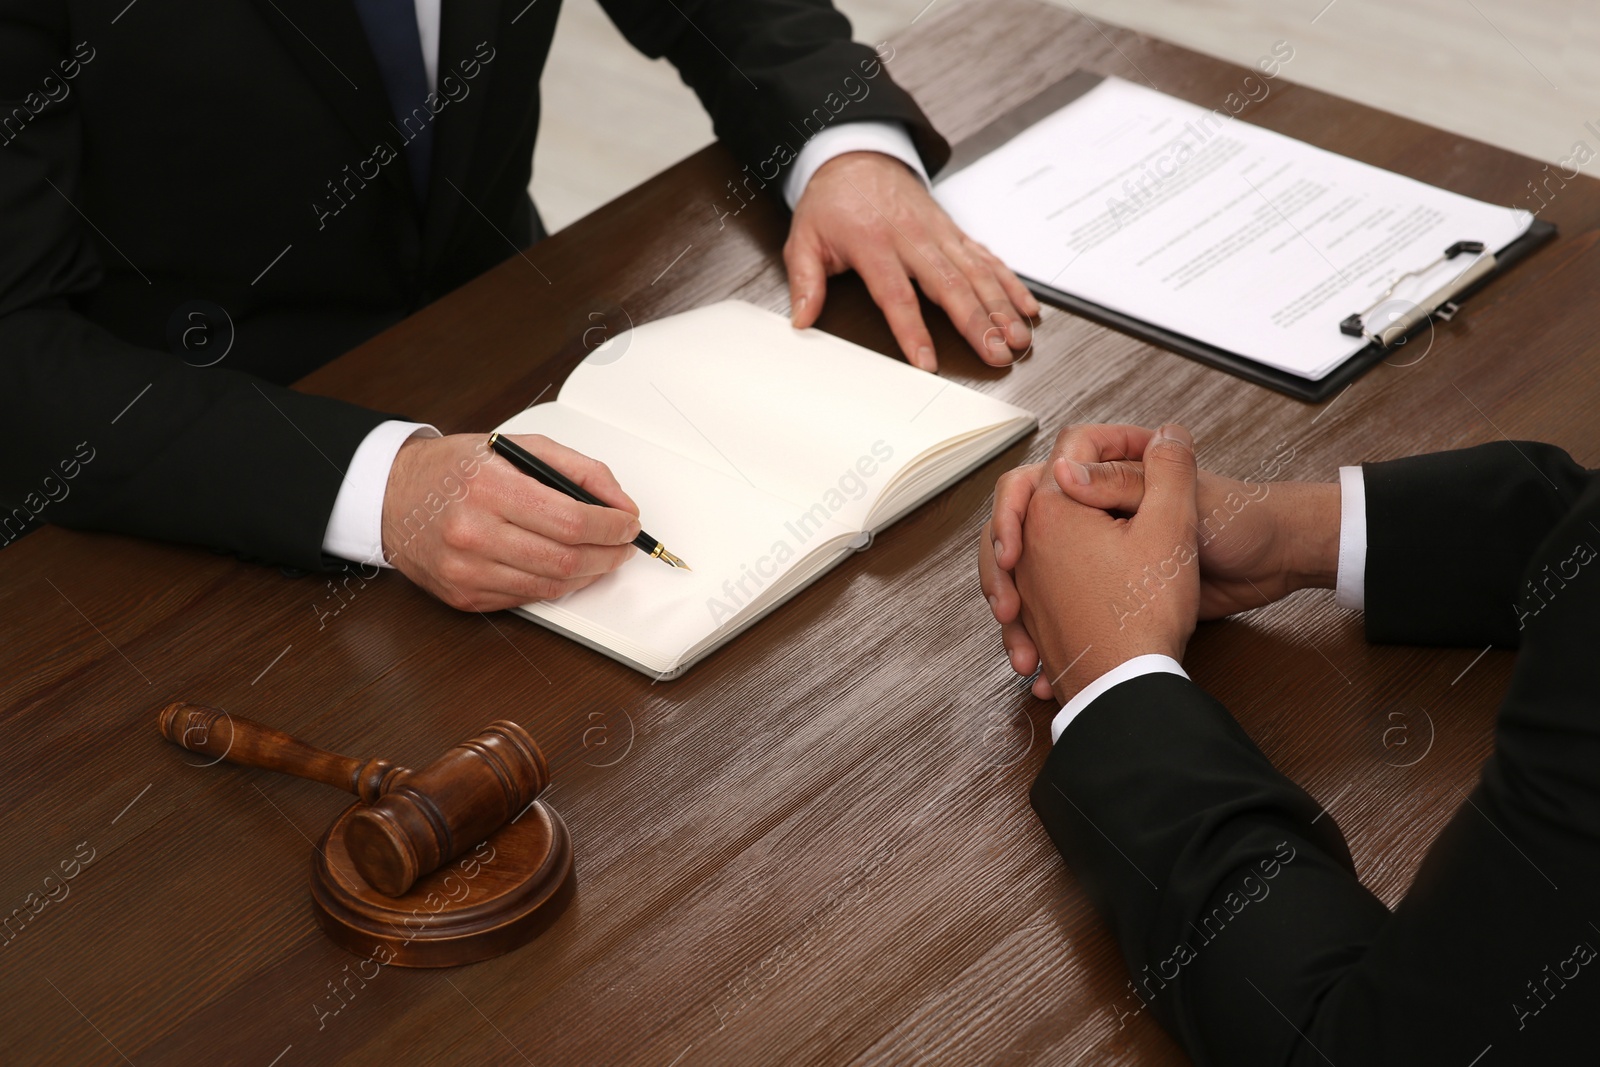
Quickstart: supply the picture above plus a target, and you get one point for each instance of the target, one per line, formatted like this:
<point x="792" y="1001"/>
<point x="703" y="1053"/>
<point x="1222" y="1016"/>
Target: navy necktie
<point x="391" y="27"/>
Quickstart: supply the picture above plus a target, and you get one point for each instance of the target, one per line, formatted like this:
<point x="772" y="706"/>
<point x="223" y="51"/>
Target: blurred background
<point x="1520" y="74"/>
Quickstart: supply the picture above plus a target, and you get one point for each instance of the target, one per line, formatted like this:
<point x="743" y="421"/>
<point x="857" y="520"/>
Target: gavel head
<point x="433" y="815"/>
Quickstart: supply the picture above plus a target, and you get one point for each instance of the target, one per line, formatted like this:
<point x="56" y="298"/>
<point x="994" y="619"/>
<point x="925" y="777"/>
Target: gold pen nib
<point x="668" y="558"/>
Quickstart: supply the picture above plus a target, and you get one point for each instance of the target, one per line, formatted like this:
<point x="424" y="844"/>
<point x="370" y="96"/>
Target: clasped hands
<point x="1118" y="544"/>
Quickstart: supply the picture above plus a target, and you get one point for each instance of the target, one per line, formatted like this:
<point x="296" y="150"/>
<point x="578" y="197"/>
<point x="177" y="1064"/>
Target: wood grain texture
<point x="814" y="848"/>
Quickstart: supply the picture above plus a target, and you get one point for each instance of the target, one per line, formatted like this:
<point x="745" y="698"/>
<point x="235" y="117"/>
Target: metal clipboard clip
<point x="1440" y="303"/>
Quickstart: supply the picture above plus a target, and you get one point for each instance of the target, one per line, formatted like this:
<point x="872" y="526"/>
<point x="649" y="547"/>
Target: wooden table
<point x="817" y="846"/>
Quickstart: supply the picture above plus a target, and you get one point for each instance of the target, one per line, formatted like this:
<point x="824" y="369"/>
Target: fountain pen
<point x="539" y="470"/>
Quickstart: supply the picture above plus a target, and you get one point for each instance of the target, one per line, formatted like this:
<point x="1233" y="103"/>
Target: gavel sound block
<point x="451" y="864"/>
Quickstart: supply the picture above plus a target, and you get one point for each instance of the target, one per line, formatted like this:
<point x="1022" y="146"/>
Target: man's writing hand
<point x="477" y="533"/>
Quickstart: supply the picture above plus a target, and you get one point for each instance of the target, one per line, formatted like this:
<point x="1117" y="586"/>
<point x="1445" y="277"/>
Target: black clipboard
<point x="1074" y="85"/>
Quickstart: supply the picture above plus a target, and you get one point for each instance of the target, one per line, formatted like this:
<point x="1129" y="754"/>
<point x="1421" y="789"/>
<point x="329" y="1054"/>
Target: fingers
<point x="1012" y="493"/>
<point x="508" y="539"/>
<point x="808" y="277"/>
<point x="498" y="586"/>
<point x="544" y="557"/>
<point x="1019" y="294"/>
<point x="1097" y="442"/>
<point x="890" y="285"/>
<point x="1115" y="485"/>
<point x="996" y="330"/>
<point x="538" y="509"/>
<point x="515" y="583"/>
<point x="990" y="574"/>
<point x="519" y="550"/>
<point x="1001" y="593"/>
<point x="973" y="300"/>
<point x="1170" y="477"/>
<point x="1007" y="332"/>
<point x="868" y="212"/>
<point x="1020" y="649"/>
<point x="995" y="581"/>
<point x="548" y="537"/>
<point x="589" y="473"/>
<point x="1090" y="464"/>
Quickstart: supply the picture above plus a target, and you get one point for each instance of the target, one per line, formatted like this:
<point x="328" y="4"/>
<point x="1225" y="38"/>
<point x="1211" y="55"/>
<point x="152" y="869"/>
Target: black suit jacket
<point x="1233" y="896"/>
<point x="243" y="153"/>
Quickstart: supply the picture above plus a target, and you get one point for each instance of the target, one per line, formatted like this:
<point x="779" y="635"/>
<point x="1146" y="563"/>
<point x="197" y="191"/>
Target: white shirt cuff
<point x="889" y="138"/>
<point x="1151" y="663"/>
<point x="355" y="529"/>
<point x="1351" y="583"/>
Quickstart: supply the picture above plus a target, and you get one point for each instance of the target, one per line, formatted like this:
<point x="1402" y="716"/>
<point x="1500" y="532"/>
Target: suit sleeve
<point x="1187" y="840"/>
<point x="774" y="73"/>
<point x="1448" y="536"/>
<point x="102" y="434"/>
<point x="1232" y="896"/>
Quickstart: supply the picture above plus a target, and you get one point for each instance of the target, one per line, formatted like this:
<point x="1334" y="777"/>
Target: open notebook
<point x="762" y="455"/>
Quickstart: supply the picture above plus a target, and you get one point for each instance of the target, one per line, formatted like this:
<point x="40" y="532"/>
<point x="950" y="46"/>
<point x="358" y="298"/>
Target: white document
<point x="762" y="455"/>
<point x="1222" y="231"/>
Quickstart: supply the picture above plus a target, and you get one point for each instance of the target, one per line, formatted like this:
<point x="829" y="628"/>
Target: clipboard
<point x="1382" y="343"/>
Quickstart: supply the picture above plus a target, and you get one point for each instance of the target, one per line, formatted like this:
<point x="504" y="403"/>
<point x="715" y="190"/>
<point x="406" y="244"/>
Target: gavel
<point x="415" y="821"/>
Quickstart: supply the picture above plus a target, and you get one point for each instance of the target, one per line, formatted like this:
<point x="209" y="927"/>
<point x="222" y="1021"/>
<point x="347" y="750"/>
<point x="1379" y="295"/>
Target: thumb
<point x="1169" y="479"/>
<point x="808" y="280"/>
<point x="1113" y="485"/>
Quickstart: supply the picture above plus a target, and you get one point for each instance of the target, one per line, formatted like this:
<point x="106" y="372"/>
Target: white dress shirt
<point x="1350" y="586"/>
<point x="355" y="528"/>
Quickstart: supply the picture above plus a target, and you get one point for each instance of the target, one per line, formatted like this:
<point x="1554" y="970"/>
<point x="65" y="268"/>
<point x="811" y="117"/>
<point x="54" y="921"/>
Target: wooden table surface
<point x="815" y="847"/>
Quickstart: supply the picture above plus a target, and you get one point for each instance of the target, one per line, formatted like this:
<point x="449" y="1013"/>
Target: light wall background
<point x="1520" y="74"/>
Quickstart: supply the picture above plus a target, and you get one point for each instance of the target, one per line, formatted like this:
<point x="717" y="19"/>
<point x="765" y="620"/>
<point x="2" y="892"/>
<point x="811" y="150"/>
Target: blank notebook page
<point x="717" y="523"/>
<point x="788" y="411"/>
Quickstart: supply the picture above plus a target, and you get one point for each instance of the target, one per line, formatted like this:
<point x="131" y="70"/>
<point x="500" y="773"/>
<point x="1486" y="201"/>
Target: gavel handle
<point x="213" y="732"/>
